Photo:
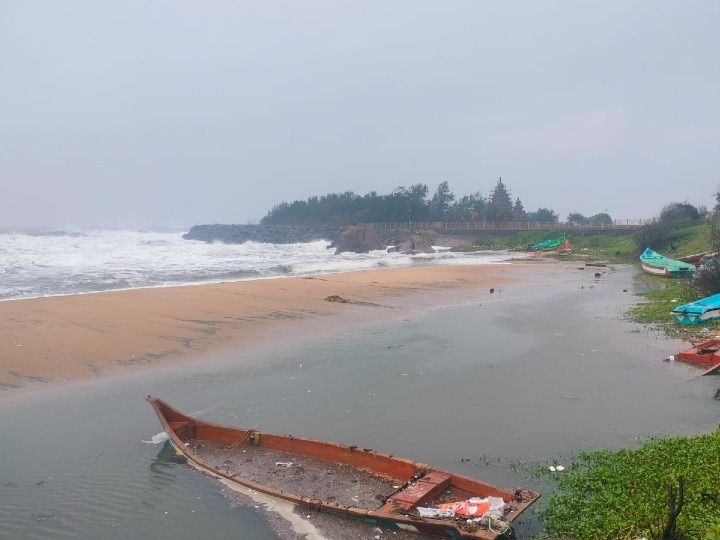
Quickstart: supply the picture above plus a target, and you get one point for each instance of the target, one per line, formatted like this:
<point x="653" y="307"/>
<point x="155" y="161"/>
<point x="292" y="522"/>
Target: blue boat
<point x="706" y="309"/>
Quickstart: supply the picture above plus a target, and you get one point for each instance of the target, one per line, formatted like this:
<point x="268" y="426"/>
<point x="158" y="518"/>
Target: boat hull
<point x="658" y="265"/>
<point x="654" y="270"/>
<point x="707" y="352"/>
<point x="565" y="248"/>
<point x="408" y="484"/>
<point x="706" y="309"/>
<point x="696" y="318"/>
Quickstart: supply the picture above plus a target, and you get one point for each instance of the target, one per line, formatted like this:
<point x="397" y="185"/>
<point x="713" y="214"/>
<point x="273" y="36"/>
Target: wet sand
<point x="56" y="339"/>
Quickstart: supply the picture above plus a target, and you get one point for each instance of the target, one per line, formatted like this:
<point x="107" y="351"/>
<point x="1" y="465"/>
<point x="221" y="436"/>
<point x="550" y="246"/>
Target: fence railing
<point x="510" y="225"/>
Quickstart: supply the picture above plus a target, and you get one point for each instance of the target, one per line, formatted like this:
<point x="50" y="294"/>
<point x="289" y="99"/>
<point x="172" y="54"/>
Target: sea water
<point x="76" y="261"/>
<point x="494" y="388"/>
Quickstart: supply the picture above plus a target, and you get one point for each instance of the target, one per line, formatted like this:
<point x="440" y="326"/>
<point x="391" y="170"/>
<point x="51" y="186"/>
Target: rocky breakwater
<point x="354" y="239"/>
<point x="268" y="234"/>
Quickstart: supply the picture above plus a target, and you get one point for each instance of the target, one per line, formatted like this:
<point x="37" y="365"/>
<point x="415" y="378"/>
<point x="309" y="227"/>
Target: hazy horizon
<point x="144" y="114"/>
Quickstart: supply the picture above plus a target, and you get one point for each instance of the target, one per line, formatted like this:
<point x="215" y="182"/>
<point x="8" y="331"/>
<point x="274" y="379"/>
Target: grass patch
<point x="664" y="295"/>
<point x="614" y="249"/>
<point x="691" y="240"/>
<point x="624" y="494"/>
<point x="611" y="247"/>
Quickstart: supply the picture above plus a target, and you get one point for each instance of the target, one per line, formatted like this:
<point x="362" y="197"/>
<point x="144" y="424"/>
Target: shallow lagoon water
<point x="490" y="388"/>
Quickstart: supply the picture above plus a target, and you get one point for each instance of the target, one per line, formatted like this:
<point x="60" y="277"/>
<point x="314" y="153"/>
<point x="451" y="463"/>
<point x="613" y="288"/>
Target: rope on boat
<point x="249" y="434"/>
<point x="506" y="526"/>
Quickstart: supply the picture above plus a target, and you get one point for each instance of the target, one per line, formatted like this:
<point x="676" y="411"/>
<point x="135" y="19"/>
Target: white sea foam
<point x="158" y="438"/>
<point x="75" y="262"/>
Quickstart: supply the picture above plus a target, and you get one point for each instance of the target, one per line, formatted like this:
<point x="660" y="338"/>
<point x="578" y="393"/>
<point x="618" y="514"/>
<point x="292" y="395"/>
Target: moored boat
<point x="707" y="352"/>
<point x="346" y="481"/>
<point x="700" y="311"/>
<point x="656" y="264"/>
<point x="565" y="248"/>
<point x="549" y="244"/>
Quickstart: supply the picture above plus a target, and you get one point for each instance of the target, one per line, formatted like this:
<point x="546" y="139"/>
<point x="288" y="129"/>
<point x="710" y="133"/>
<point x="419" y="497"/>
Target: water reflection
<point x="163" y="467"/>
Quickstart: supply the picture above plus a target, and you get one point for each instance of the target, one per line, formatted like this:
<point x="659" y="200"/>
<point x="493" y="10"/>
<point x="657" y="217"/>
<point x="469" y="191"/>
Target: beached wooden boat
<point x="565" y="248"/>
<point x="699" y="257"/>
<point x="700" y="311"/>
<point x="707" y="352"/>
<point x="549" y="244"/>
<point x="347" y="481"/>
<point x="656" y="264"/>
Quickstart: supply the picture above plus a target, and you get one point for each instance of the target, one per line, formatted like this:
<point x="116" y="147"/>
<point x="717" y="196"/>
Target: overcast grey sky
<point x="142" y="112"/>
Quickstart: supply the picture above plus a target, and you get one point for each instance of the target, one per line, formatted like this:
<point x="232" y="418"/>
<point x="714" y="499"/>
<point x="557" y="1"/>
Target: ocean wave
<point x="77" y="262"/>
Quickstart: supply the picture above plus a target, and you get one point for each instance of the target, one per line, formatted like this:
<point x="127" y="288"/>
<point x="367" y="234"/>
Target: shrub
<point x="679" y="214"/>
<point x="654" y="235"/>
<point x="707" y="280"/>
<point x="624" y="494"/>
<point x="715" y="229"/>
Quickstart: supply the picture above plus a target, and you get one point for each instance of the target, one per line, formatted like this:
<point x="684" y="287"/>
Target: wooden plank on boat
<point x="418" y="492"/>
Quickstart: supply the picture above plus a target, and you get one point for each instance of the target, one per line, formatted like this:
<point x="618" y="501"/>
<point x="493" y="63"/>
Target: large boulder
<point x="413" y="245"/>
<point x="358" y="240"/>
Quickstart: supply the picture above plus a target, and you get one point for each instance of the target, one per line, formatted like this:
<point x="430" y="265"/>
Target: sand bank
<point x="84" y="336"/>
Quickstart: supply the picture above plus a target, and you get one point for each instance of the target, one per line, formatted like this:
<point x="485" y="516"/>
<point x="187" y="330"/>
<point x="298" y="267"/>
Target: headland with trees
<point x="414" y="204"/>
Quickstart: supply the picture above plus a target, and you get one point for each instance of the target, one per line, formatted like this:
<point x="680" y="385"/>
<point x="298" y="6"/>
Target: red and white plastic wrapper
<point x="467" y="508"/>
<point x="474" y="507"/>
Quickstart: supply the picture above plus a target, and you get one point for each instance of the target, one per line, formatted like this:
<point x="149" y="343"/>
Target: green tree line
<point x="413" y="203"/>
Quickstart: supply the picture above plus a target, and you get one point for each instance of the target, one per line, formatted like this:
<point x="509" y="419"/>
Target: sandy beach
<point x="59" y="339"/>
<point x="425" y="363"/>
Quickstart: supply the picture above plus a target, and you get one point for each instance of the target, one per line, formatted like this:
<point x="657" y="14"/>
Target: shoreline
<point x="79" y="337"/>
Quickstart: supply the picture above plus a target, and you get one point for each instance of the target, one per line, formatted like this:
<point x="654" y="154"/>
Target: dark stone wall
<point x="278" y="234"/>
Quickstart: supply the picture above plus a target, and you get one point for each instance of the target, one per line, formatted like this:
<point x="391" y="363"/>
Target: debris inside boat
<point x="346" y="485"/>
<point x="315" y="478"/>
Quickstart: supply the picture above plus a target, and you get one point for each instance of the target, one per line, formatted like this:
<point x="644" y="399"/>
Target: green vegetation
<point x="692" y="239"/>
<point x="614" y="248"/>
<point x="408" y="204"/>
<point x="578" y="219"/>
<point x="663" y="295"/>
<point x="625" y="494"/>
